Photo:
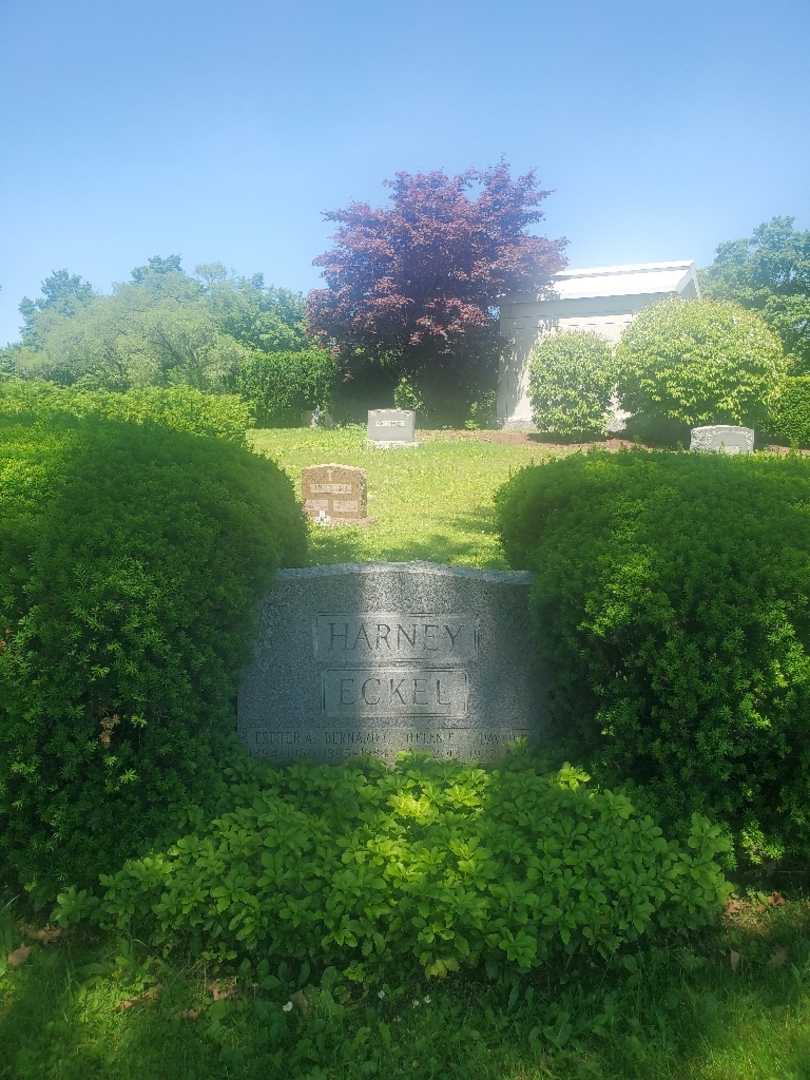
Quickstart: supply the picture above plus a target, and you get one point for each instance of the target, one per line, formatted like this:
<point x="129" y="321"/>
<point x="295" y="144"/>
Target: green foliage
<point x="482" y="411"/>
<point x="182" y="408"/>
<point x="280" y="386"/>
<point x="62" y="293"/>
<point x="427" y="868"/>
<point x="769" y="273"/>
<point x="671" y="610"/>
<point x="408" y="395"/>
<point x="699" y="362"/>
<point x="131" y="557"/>
<point x="571" y="379"/>
<point x="790" y="413"/>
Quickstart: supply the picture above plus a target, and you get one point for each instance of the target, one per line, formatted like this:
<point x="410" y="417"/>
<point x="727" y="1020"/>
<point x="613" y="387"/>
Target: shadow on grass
<point x="679" y="1013"/>
<point x="462" y="542"/>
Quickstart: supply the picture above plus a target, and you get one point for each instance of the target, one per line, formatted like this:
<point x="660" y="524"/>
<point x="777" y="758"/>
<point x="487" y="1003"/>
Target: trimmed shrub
<point x="131" y="557"/>
<point x="699" y="362"/>
<point x="182" y="408"/>
<point x="671" y="611"/>
<point x="281" y="386"/>
<point x="571" y="379"/>
<point x="790" y="414"/>
<point x="426" y="868"/>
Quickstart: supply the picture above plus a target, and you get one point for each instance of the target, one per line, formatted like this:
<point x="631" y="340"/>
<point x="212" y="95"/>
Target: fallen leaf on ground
<point x="190" y="1014"/>
<point x="734" y="959"/>
<point x="299" y="999"/>
<point x="776" y="899"/>
<point x="220" y="989"/>
<point x="19" y="956"/>
<point x="45" y="934"/>
<point x="734" y="905"/>
<point x="147" y="995"/>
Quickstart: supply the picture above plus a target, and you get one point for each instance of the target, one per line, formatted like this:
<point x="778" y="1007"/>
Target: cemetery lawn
<point x="733" y="1006"/>
<point x="434" y="502"/>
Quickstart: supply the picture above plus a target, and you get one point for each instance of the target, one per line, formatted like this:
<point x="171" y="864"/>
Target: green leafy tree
<point x="693" y="362"/>
<point x="769" y="273"/>
<point x="63" y="293"/>
<point x="258" y="316"/>
<point x="134" y="338"/>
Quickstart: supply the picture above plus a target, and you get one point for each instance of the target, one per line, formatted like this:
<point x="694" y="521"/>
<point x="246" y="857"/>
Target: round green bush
<point x="697" y="362"/>
<point x="671" y="612"/>
<point x="571" y="380"/>
<point x="425" y="868"/>
<point x="280" y="386"/>
<point x="790" y="413"/>
<point x="182" y="407"/>
<point x="131" y="557"/>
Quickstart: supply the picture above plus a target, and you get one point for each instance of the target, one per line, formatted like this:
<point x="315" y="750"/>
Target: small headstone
<point x="382" y="657"/>
<point x="723" y="439"/>
<point x="317" y="418"/>
<point x="334" y="493"/>
<point x="392" y="428"/>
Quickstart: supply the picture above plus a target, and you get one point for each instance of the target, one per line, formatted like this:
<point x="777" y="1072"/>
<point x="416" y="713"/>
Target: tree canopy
<point x="417" y="277"/>
<point x="163" y="327"/>
<point x="769" y="272"/>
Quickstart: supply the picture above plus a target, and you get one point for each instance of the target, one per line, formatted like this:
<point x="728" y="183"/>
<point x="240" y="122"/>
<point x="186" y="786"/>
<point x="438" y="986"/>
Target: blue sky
<point x="220" y="131"/>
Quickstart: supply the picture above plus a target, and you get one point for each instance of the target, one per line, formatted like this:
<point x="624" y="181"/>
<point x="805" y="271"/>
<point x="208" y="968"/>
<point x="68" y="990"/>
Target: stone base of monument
<point x="722" y="439"/>
<point x="377" y="444"/>
<point x="382" y="657"/>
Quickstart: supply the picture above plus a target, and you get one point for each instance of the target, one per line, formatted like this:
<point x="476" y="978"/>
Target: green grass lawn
<point x="733" y="1005"/>
<point x="434" y="502"/>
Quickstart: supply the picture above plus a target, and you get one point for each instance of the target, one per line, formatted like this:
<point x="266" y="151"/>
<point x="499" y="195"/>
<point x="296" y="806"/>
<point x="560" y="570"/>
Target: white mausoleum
<point x="601" y="299"/>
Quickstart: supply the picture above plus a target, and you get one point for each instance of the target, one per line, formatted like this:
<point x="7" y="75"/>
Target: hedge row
<point x="130" y="560"/>
<point x="181" y="408"/>
<point x="790" y="416"/>
<point x="671" y="610"/>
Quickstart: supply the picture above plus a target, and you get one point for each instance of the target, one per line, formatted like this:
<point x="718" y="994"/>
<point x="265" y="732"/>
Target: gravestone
<point x="392" y="428"/>
<point x="334" y="493"/>
<point x="722" y="439"/>
<point x="383" y="657"/>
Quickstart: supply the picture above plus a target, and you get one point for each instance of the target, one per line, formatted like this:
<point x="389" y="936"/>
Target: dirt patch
<point x="517" y="438"/>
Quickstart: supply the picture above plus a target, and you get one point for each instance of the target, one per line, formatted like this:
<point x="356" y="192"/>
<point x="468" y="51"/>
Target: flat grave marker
<point x="722" y="439"/>
<point x="335" y="493"/>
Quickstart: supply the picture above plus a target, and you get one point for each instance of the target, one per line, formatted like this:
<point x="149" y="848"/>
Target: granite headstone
<point x="722" y="439"/>
<point x="392" y="428"/>
<point x="334" y="493"/>
<point x="383" y="657"/>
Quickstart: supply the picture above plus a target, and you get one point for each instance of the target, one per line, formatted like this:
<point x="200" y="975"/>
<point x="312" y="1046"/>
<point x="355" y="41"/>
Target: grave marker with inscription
<point x="392" y="428"/>
<point x="722" y="439"/>
<point x="334" y="493"/>
<point x="383" y="657"/>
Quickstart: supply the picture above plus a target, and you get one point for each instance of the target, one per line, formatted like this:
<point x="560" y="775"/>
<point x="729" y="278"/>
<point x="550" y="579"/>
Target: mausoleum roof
<point x="630" y="279"/>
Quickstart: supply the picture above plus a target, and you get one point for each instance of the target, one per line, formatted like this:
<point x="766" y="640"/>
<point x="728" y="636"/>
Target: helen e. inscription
<point x="384" y="657"/>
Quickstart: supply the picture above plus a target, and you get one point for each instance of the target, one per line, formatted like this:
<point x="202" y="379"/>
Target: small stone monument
<point x="392" y="429"/>
<point x="376" y="658"/>
<point x="722" y="439"/>
<point x="334" y="493"/>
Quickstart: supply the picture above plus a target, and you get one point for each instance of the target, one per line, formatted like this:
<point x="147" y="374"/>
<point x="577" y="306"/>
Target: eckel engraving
<point x="367" y="692"/>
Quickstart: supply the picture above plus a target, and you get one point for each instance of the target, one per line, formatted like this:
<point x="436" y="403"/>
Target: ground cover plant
<point x="130" y="558"/>
<point x="426" y="868"/>
<point x="672" y="603"/>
